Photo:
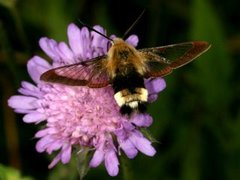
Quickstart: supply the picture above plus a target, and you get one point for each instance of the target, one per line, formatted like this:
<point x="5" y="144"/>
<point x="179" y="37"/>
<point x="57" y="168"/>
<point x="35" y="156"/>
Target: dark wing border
<point x="160" y="61"/>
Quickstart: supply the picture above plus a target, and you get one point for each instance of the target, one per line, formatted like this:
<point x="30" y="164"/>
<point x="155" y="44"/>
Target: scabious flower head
<point x="80" y="116"/>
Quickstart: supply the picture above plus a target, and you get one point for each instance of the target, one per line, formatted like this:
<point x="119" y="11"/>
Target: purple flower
<point x="81" y="116"/>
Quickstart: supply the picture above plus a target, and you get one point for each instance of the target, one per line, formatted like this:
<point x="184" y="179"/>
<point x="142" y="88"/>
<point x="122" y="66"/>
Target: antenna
<point x="89" y="27"/>
<point x="133" y="24"/>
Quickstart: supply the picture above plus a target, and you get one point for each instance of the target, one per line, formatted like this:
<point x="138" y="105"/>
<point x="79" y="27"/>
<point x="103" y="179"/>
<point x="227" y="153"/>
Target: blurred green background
<point x="196" y="118"/>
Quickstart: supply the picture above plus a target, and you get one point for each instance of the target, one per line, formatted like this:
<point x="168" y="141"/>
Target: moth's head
<point x="118" y="44"/>
<point x="120" y="49"/>
<point x="117" y="41"/>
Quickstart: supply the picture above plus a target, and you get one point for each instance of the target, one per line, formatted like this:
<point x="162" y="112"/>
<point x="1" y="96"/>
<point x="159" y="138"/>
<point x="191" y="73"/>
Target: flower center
<point x="81" y="114"/>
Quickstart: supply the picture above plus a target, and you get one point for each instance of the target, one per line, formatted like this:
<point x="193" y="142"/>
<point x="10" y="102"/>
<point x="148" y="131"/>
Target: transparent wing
<point x="90" y="73"/>
<point x="162" y="60"/>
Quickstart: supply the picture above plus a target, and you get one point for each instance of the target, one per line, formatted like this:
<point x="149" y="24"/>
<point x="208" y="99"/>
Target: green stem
<point x="126" y="167"/>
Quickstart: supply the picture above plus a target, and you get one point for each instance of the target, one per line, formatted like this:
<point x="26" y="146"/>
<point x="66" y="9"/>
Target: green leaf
<point x="8" y="3"/>
<point x="83" y="159"/>
<point x="9" y="173"/>
<point x="149" y="135"/>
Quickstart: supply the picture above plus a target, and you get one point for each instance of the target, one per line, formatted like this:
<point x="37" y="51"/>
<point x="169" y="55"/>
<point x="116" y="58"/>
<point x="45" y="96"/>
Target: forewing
<point x="162" y="60"/>
<point x="90" y="73"/>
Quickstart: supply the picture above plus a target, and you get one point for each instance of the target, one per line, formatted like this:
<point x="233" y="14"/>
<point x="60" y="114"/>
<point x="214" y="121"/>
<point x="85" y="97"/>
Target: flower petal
<point x="46" y="131"/>
<point x="55" y="161"/>
<point x="97" y="158"/>
<point x="23" y="111"/>
<point x="152" y="97"/>
<point x="142" y="120"/>
<point x="66" y="154"/>
<point x="99" y="42"/>
<point x="36" y="66"/>
<point x="35" y="117"/>
<point x="22" y="102"/>
<point x="49" y="46"/>
<point x="42" y="133"/>
<point x="86" y="44"/>
<point x="155" y="85"/>
<point x="129" y="148"/>
<point x="66" y="53"/>
<point x="111" y="163"/>
<point x="142" y="144"/>
<point x="74" y="38"/>
<point x="133" y="40"/>
<point x="43" y="143"/>
<point x="54" y="146"/>
<point x="30" y="90"/>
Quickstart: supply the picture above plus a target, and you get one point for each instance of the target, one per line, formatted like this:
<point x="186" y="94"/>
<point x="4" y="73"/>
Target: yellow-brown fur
<point x="122" y="56"/>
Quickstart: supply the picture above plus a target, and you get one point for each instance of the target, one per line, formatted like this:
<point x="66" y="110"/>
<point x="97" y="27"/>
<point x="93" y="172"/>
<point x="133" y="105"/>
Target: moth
<point x="124" y="68"/>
